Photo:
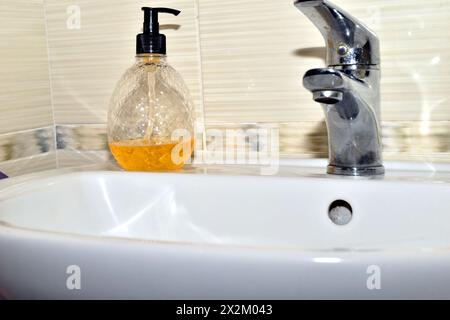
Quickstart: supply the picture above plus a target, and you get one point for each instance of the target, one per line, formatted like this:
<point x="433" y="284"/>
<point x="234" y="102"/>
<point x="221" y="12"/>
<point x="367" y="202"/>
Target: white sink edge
<point x="11" y="184"/>
<point x="389" y="165"/>
<point x="319" y="165"/>
<point x="11" y="189"/>
<point x="36" y="234"/>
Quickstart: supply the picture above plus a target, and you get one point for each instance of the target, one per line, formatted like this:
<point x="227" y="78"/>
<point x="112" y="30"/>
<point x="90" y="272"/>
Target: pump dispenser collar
<point x="150" y="40"/>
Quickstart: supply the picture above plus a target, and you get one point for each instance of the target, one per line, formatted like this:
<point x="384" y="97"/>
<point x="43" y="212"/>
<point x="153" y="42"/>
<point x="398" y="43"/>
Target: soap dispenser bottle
<point x="151" y="117"/>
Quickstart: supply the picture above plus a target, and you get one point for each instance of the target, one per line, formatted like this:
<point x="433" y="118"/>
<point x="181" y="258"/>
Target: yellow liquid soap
<point x="145" y="155"/>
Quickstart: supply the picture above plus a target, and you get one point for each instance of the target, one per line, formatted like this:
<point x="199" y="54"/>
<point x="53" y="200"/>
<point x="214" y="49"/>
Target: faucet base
<point x="354" y="171"/>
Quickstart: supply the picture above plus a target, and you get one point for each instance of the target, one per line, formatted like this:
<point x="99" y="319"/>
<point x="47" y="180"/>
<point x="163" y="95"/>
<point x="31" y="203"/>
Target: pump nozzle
<point x="151" y="41"/>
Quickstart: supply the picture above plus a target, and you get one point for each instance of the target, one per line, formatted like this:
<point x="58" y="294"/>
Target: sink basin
<point x="225" y="234"/>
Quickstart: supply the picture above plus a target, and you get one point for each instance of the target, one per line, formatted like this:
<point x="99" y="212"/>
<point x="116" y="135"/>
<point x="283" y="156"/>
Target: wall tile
<point x="35" y="163"/>
<point x="24" y="71"/>
<point x="254" y="54"/>
<point x="87" y="62"/>
<point x="243" y="62"/>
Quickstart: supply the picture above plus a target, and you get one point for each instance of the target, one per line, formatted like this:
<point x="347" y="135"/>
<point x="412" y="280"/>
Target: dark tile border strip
<point x="401" y="139"/>
<point x="26" y="143"/>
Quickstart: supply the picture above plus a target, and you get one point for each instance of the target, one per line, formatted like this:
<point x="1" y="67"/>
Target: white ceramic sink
<point x="224" y="235"/>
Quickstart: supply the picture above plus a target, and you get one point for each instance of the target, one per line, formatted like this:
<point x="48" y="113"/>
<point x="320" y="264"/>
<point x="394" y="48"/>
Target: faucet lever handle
<point x="349" y="41"/>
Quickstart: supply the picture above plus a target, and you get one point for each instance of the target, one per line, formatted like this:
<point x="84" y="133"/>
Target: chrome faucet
<point x="348" y="89"/>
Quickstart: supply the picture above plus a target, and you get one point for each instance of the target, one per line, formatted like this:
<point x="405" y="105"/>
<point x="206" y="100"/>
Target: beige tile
<point x="24" y="77"/>
<point x="74" y="158"/>
<point x="86" y="63"/>
<point x="254" y="54"/>
<point x="40" y="162"/>
<point x="251" y="64"/>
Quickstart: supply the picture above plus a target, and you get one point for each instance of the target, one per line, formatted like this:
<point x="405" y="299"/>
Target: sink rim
<point x="54" y="235"/>
<point x="310" y="166"/>
<point x="284" y="161"/>
<point x="15" y="231"/>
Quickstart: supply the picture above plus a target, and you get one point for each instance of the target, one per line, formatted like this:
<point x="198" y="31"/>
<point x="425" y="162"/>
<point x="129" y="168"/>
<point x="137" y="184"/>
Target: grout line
<point x="44" y="8"/>
<point x="200" y="66"/>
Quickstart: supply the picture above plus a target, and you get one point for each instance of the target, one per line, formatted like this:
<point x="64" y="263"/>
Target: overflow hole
<point x="340" y="212"/>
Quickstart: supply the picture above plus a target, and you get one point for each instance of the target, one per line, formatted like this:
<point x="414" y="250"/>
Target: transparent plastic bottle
<point x="151" y="115"/>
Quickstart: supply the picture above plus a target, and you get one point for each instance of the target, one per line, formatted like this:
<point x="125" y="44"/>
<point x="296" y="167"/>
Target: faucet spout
<point x="348" y="40"/>
<point x="349" y="99"/>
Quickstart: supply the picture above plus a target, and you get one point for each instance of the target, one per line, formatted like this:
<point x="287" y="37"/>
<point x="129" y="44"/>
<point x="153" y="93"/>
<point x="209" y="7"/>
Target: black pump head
<point x="151" y="41"/>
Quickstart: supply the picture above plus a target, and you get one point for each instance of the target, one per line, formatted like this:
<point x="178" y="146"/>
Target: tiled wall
<point x="243" y="61"/>
<point x="26" y="117"/>
<point x="24" y="91"/>
<point x="86" y="62"/>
